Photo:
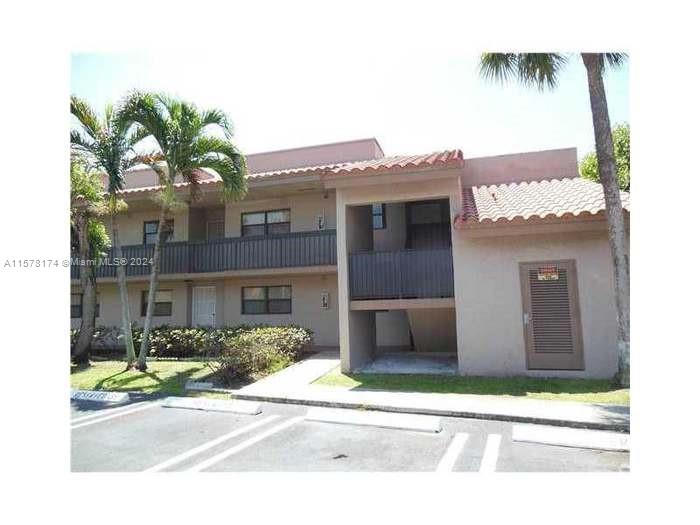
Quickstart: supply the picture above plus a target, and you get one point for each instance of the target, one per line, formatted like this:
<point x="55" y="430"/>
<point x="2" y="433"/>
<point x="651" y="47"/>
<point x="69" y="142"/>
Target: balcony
<point x="402" y="274"/>
<point x="316" y="248"/>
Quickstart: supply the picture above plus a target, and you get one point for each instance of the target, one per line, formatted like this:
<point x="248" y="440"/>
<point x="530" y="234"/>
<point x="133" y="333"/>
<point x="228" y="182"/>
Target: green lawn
<point x="163" y="377"/>
<point x="581" y="390"/>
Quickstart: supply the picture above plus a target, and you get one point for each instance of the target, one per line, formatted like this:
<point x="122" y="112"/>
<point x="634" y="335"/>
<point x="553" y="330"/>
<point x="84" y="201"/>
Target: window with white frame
<point x="272" y="222"/>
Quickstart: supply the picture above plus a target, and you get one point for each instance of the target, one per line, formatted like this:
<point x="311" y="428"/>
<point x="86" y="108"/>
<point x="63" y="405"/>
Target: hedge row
<point x="176" y="341"/>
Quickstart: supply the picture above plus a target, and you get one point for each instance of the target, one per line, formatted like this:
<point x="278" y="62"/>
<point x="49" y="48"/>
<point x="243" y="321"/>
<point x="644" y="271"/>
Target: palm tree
<point x="108" y="143"/>
<point x="542" y="70"/>
<point x="89" y="239"/>
<point x="180" y="129"/>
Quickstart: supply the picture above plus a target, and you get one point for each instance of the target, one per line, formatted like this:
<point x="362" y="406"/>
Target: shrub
<point x="288" y="340"/>
<point x="259" y="351"/>
<point x="170" y="341"/>
<point x="180" y="342"/>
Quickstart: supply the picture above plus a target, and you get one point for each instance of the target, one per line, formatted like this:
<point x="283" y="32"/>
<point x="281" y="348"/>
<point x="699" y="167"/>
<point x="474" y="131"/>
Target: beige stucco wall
<point x="303" y="208"/>
<point x="131" y="225"/>
<point x="317" y="155"/>
<point x="489" y="306"/>
<point x="306" y="304"/>
<point x="361" y="332"/>
<point x="526" y="166"/>
<point x="110" y="305"/>
<point x="392" y="330"/>
<point x="393" y="237"/>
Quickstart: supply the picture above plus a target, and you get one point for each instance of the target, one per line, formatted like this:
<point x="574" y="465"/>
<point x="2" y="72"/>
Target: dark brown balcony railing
<point x="316" y="248"/>
<point x="402" y="274"/>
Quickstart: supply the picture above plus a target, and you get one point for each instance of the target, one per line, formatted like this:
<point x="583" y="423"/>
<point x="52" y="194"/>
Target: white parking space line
<point x="214" y="405"/>
<point x="419" y="423"/>
<point x="490" y="457"/>
<point x="120" y="414"/>
<point x="447" y="462"/>
<point x="106" y="412"/>
<point x="244" y="445"/>
<point x="209" y="444"/>
<point x="572" y="437"/>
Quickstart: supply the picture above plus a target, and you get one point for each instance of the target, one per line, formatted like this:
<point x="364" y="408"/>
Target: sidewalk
<point x="292" y="385"/>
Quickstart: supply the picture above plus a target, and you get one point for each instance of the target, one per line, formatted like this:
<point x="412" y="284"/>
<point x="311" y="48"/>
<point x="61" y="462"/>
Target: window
<point x="273" y="222"/>
<point x="150" y="231"/>
<point x="267" y="300"/>
<point x="433" y="212"/>
<point x="76" y="305"/>
<point x="215" y="230"/>
<point x="163" y="305"/>
<point x="379" y="216"/>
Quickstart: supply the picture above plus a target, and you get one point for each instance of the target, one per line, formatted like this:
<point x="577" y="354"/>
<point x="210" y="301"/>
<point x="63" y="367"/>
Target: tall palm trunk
<point x="153" y="285"/>
<point x="81" y="351"/>
<point x="123" y="295"/>
<point x="613" y="209"/>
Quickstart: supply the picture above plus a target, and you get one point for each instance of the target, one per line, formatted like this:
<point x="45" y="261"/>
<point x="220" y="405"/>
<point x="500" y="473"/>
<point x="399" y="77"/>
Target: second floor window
<point x="379" y="216"/>
<point x="271" y="222"/>
<point x="150" y="231"/>
<point x="163" y="305"/>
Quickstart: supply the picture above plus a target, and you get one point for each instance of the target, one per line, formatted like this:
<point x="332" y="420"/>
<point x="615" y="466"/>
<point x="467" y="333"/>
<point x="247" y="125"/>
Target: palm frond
<point x="86" y="116"/>
<point x="499" y="67"/>
<point x="144" y="109"/>
<point x="232" y="173"/>
<point x="170" y="104"/>
<point x="179" y="129"/>
<point x="138" y="133"/>
<point x="109" y="112"/>
<point x="614" y="60"/>
<point x="217" y="117"/>
<point x="538" y="69"/>
<point x="80" y="143"/>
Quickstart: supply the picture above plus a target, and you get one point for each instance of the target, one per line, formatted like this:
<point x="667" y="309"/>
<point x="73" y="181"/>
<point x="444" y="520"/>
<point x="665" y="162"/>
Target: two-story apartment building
<point x="502" y="262"/>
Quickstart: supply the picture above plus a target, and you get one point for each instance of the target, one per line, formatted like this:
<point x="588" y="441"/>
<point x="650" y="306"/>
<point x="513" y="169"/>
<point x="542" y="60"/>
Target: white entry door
<point x="204" y="305"/>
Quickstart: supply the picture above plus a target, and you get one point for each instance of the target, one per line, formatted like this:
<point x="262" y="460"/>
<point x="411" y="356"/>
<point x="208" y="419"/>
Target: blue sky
<point x="413" y="101"/>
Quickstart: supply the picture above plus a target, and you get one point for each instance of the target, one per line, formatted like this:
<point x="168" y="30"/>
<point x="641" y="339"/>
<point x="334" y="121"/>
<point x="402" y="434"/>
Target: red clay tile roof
<point x="292" y="172"/>
<point x="441" y="159"/>
<point x="556" y="198"/>
<point x="403" y="163"/>
<point x="203" y="182"/>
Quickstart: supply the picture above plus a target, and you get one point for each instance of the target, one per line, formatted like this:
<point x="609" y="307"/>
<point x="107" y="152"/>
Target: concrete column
<point x="461" y="299"/>
<point x="356" y="330"/>
<point x="188" y="285"/>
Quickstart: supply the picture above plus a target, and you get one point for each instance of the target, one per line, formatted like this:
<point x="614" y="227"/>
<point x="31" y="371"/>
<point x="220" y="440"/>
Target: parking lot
<point x="146" y="436"/>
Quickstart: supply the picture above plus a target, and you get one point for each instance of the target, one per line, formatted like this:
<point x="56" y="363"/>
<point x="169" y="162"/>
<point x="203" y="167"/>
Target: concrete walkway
<point x="411" y="363"/>
<point x="297" y="376"/>
<point x="292" y="385"/>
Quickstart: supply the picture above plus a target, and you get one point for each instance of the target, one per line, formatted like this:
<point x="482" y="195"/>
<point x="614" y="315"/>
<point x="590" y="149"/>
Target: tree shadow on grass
<point x="173" y="384"/>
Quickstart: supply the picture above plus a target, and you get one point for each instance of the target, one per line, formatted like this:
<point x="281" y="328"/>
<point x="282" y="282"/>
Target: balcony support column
<point x="357" y="329"/>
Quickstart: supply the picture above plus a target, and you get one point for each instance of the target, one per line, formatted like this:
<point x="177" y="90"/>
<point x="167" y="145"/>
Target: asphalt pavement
<point x="143" y="435"/>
